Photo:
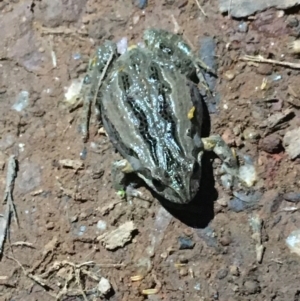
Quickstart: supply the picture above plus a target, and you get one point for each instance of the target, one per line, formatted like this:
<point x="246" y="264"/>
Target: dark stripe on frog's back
<point x="146" y="98"/>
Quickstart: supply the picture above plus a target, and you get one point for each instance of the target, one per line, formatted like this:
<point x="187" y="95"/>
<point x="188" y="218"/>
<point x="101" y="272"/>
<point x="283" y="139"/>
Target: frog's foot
<point x="216" y="144"/>
<point x="118" y="172"/>
<point x="200" y="64"/>
<point x="120" y="169"/>
<point x="230" y="169"/>
<point x="223" y="151"/>
<point x="202" y="82"/>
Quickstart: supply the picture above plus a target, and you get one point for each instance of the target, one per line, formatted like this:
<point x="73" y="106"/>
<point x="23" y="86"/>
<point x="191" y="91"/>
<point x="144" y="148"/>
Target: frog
<point x="152" y="112"/>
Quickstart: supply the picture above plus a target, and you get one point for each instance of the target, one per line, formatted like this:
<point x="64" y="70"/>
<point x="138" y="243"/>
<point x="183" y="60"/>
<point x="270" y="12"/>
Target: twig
<point x="8" y="200"/>
<point x="87" y="104"/>
<point x="35" y="278"/>
<point x="260" y="59"/>
<point x="201" y="9"/>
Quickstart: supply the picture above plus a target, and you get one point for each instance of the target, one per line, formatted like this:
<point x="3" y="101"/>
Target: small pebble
<point x="101" y="225"/>
<point x="275" y="77"/>
<point x="183" y="259"/>
<point x="243" y="27"/>
<point x="234" y="271"/>
<point x="264" y="69"/>
<point x="250" y="134"/>
<point x="74" y="219"/>
<point x="22" y="101"/>
<point x="237" y="205"/>
<point x="292" y="21"/>
<point x="225" y="241"/>
<point x="228" y="137"/>
<point x="50" y="226"/>
<point x="251" y="287"/>
<point x="223" y="202"/>
<point x="221" y="274"/>
<point x="141" y="3"/>
<point x="185" y="243"/>
<point x="293" y="197"/>
<point x="271" y="144"/>
<point x="197" y="286"/>
<point x="104" y="286"/>
<point x="183" y="272"/>
<point x="81" y="230"/>
<point x="83" y="153"/>
<point x="76" y="56"/>
<point x="236" y="130"/>
<point x="229" y="75"/>
<point x="291" y="142"/>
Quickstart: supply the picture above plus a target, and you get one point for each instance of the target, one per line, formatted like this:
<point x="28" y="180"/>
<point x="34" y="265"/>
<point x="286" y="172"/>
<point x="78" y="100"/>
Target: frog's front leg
<point x="120" y="170"/>
<point x="97" y="70"/>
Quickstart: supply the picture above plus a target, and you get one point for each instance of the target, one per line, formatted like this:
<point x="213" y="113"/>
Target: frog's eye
<point x="158" y="185"/>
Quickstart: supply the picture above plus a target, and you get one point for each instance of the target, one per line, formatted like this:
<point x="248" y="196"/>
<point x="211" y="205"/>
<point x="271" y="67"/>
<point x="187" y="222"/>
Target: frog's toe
<point x="119" y="170"/>
<point x="216" y="144"/>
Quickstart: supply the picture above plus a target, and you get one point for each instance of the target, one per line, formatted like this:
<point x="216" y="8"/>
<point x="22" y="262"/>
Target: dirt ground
<point x="217" y="248"/>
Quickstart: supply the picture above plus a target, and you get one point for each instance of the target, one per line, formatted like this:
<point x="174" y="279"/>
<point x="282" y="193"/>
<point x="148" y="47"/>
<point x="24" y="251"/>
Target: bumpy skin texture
<point x="145" y="111"/>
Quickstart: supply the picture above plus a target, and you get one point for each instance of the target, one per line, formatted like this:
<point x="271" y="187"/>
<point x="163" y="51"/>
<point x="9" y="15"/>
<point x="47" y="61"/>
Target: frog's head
<point x="179" y="184"/>
<point x="156" y="38"/>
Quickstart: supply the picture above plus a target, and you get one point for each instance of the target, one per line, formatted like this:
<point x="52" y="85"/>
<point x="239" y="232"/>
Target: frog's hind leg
<point x="231" y="169"/>
<point x="91" y="86"/>
<point x="230" y="165"/>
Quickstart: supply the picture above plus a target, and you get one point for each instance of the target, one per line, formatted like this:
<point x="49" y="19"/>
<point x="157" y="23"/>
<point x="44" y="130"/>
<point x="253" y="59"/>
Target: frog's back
<point x="145" y="110"/>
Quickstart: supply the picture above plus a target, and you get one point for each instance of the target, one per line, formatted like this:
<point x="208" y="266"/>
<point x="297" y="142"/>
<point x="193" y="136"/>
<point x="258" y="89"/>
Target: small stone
<point x="271" y="144"/>
<point x="228" y="137"/>
<point x="74" y="219"/>
<point x="223" y="201"/>
<point x="141" y="3"/>
<point x="225" y="241"/>
<point x="251" y="287"/>
<point x="185" y="243"/>
<point x="221" y="274"/>
<point x="293" y="197"/>
<point x="243" y="27"/>
<point x="101" y="225"/>
<point x="234" y="271"/>
<point x="250" y="134"/>
<point x="236" y="130"/>
<point x="50" y="226"/>
<point x="291" y="142"/>
<point x="119" y="237"/>
<point x="183" y="259"/>
<point x="104" y="286"/>
<point x="229" y="75"/>
<point x="264" y="69"/>
<point x="22" y="101"/>
<point x="183" y="272"/>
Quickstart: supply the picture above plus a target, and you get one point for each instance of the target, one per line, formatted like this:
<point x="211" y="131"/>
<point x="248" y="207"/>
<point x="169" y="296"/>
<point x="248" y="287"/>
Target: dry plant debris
<point x="118" y="237"/>
<point x="8" y="201"/>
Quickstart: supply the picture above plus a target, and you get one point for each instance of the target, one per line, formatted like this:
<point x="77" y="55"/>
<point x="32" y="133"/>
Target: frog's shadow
<point x="200" y="211"/>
